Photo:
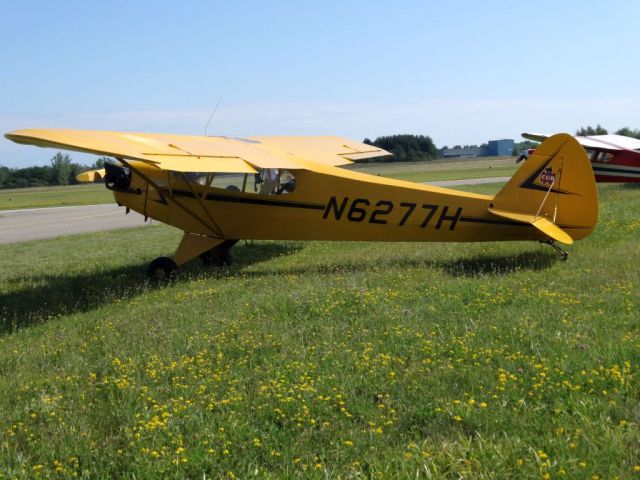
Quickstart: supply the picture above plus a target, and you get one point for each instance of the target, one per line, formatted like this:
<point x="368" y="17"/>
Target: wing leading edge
<point x="184" y="153"/>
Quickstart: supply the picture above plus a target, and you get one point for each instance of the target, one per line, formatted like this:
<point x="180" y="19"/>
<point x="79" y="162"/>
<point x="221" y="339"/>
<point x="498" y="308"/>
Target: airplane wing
<point x="610" y="142"/>
<point x="597" y="142"/>
<point x="185" y="153"/>
<point x="332" y="151"/>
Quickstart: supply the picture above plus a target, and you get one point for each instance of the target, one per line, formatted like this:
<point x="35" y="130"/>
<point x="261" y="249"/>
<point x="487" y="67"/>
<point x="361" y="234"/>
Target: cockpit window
<point x="268" y="181"/>
<point x="274" y="181"/>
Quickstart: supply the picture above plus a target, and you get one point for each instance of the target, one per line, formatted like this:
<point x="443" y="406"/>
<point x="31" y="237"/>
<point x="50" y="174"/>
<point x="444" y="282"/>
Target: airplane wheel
<point x="162" y="269"/>
<point x="220" y="260"/>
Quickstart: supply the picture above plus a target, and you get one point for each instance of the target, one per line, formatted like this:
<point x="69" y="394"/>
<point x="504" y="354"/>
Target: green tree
<point x="99" y="163"/>
<point x="628" y="132"/>
<point x="407" y="148"/>
<point x="589" y="130"/>
<point x="4" y="175"/>
<point x="61" y="169"/>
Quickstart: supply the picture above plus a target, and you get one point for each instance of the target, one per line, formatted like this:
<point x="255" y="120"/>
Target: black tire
<point x="212" y="259"/>
<point x="162" y="269"/>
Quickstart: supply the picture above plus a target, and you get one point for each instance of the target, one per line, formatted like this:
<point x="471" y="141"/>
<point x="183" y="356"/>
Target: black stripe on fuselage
<point x="251" y="201"/>
<point x="491" y="221"/>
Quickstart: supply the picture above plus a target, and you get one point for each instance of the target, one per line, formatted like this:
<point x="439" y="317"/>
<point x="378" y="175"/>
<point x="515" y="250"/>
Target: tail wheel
<point x="162" y="269"/>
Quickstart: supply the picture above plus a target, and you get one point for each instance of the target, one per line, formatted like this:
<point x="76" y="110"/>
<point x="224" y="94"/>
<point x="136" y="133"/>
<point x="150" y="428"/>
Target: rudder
<point x="554" y="191"/>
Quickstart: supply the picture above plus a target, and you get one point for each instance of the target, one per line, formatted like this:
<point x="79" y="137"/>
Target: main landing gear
<point x="161" y="269"/>
<point x="212" y="251"/>
<point x="563" y="254"/>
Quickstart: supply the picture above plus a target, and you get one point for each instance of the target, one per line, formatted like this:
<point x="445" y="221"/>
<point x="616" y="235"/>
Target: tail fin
<point x="554" y="190"/>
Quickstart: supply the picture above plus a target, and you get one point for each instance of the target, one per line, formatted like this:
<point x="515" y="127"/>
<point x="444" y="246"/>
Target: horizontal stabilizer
<point x="543" y="224"/>
<point x="91" y="175"/>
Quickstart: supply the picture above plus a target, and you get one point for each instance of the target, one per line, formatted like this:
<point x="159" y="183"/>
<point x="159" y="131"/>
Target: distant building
<point x="500" y="148"/>
<point x="493" y="148"/>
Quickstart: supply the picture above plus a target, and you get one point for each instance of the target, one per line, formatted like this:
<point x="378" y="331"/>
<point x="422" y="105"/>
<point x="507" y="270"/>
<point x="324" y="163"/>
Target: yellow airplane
<point x="219" y="190"/>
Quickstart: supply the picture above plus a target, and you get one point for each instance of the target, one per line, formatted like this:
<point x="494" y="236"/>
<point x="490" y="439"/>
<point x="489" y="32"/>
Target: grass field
<point x="443" y="169"/>
<point x="324" y="360"/>
<point x="54" y="196"/>
<point x="416" y="172"/>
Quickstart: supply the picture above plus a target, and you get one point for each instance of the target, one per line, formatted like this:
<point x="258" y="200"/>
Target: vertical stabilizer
<point x="554" y="190"/>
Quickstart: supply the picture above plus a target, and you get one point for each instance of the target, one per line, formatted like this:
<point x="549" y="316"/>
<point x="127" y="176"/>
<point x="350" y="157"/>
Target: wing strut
<point x="199" y="197"/>
<point x="216" y="231"/>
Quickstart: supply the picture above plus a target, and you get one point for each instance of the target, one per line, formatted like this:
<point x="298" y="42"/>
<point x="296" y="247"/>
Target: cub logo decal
<point x="547" y="176"/>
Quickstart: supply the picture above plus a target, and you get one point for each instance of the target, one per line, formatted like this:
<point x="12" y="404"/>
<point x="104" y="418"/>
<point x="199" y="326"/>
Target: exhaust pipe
<point x="117" y="177"/>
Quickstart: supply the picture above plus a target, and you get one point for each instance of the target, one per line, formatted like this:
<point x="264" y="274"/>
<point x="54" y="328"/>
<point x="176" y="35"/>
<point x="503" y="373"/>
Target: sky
<point x="461" y="71"/>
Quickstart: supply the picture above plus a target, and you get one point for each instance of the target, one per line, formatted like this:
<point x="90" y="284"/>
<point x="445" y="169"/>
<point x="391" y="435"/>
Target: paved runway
<point x="38" y="223"/>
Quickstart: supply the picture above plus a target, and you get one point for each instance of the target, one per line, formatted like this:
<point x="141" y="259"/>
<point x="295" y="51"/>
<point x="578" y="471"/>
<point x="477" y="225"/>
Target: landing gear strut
<point x="563" y="255"/>
<point x="219" y="256"/>
<point x="223" y="259"/>
<point x="212" y="251"/>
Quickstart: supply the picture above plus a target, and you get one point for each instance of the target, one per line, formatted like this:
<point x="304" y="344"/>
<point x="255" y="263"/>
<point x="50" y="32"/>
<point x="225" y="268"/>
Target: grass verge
<point x="324" y="359"/>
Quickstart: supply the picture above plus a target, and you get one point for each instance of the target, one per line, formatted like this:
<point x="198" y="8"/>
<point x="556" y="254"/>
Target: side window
<point x="230" y="181"/>
<point x="274" y="181"/>
<point x="196" y="177"/>
<point x="605" y="157"/>
<point x="268" y="181"/>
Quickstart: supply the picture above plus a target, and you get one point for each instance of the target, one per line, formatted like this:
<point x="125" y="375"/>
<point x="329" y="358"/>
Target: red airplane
<point x="614" y="158"/>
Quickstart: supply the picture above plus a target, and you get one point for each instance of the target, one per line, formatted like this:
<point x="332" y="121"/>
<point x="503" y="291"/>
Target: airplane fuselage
<point x="616" y="167"/>
<point x="352" y="206"/>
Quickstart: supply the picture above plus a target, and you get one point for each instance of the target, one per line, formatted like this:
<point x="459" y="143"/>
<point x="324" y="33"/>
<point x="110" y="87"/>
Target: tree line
<point x="600" y="130"/>
<point x="61" y="171"/>
<point x="405" y="148"/>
